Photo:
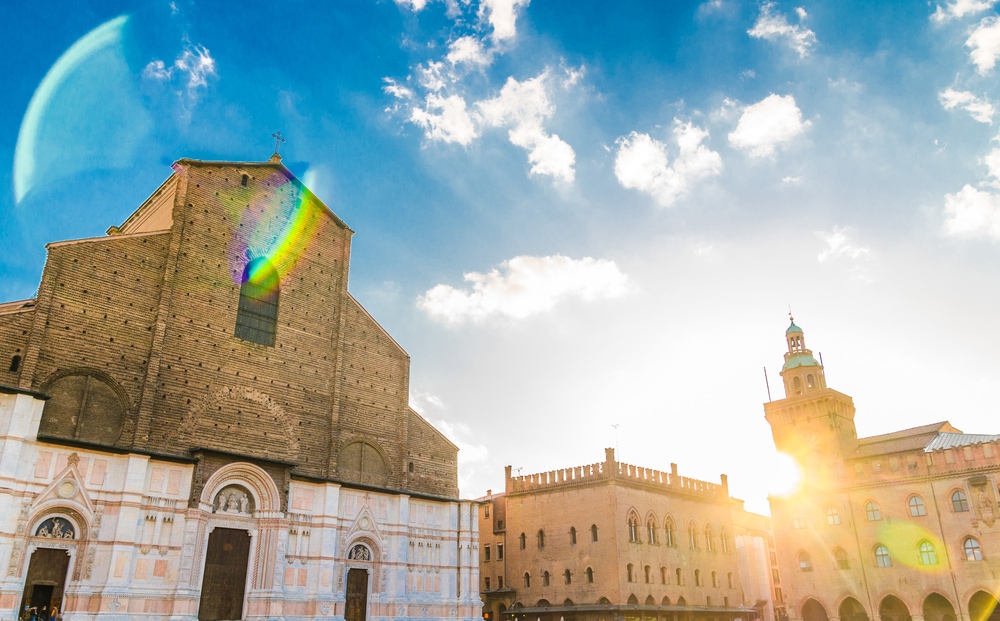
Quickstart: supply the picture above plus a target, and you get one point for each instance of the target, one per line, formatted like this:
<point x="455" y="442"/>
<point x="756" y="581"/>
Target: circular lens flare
<point x="784" y="475"/>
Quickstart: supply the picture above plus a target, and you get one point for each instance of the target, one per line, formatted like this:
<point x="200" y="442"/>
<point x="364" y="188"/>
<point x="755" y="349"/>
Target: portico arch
<point x="983" y="607"/>
<point x="813" y="611"/>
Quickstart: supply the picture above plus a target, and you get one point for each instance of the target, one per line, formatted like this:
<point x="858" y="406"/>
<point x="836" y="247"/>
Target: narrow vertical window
<point x="593" y="532"/>
<point x="523" y="540"/>
<point x="572" y="535"/>
<point x="15" y="364"/>
<point x="527" y="580"/>
<point x="541" y="539"/>
<point x="244" y="180"/>
<point x="669" y="530"/>
<point x="257" y="317"/>
<point x="590" y="575"/>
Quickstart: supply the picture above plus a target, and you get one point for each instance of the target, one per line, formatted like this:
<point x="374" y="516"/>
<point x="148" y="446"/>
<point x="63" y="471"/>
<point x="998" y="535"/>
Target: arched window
<point x="805" y="562"/>
<point x="568" y="576"/>
<point x="796" y="383"/>
<point x="668" y="528"/>
<point x="882" y="558"/>
<point x="648" y="574"/>
<point x="928" y="555"/>
<point x="590" y="575"/>
<point x="972" y="550"/>
<point x="810" y="382"/>
<point x="724" y="539"/>
<point x="572" y="535"/>
<point x="697" y="577"/>
<point x="709" y="542"/>
<point x="545" y="578"/>
<point x="630" y="572"/>
<point x="959" y="502"/>
<point x="840" y="556"/>
<point x="664" y="575"/>
<point x="524" y="540"/>
<point x="541" y="538"/>
<point x="633" y="528"/>
<point x="527" y="580"/>
<point x="651" y="530"/>
<point x="692" y="536"/>
<point x="715" y="579"/>
<point x="729" y="580"/>
<point x="678" y="574"/>
<point x="832" y="516"/>
<point x="257" y="316"/>
<point x="873" y="512"/>
<point x="798" y="521"/>
<point x="917" y="507"/>
<point x="593" y="532"/>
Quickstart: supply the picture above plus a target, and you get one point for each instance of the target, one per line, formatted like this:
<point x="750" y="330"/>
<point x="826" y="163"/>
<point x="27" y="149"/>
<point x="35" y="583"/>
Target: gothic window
<point x="724" y="538"/>
<point x="798" y="521"/>
<point x="972" y="550"/>
<point x="928" y="555"/>
<point x="527" y="580"/>
<point x="917" y="508"/>
<point x="840" y="556"/>
<point x="709" y="543"/>
<point x="545" y="578"/>
<point x="523" y="540"/>
<point x="633" y="528"/>
<point x="832" y="517"/>
<point x="882" y="558"/>
<point x="669" y="530"/>
<point x="568" y="576"/>
<point x="692" y="536"/>
<point x="572" y="535"/>
<point x="541" y="539"/>
<point x="651" y="530"/>
<point x="959" y="502"/>
<point x="257" y="317"/>
<point x="873" y="511"/>
<point x="805" y="562"/>
<point x="590" y="575"/>
<point x="593" y="532"/>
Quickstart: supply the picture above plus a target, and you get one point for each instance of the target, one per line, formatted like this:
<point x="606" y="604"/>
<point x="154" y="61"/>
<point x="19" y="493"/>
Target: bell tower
<point x="813" y="424"/>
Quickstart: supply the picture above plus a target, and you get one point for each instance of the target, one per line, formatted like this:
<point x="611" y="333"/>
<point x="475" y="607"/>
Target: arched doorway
<point x="46" y="579"/>
<point x="813" y="611"/>
<point x="893" y="609"/>
<point x="983" y="607"/>
<point x="852" y="610"/>
<point x="937" y="608"/>
<point x="359" y="559"/>
<point x="224" y="585"/>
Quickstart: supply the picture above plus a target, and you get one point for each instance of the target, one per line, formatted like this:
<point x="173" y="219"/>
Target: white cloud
<point x="522" y="107"/>
<point x="840" y="245"/>
<point x="791" y="180"/>
<point x="525" y="286"/>
<point x="773" y="27"/>
<point x="195" y="62"/>
<point x="960" y="8"/>
<point x="433" y="76"/>
<point x="766" y="124"/>
<point x="468" y="49"/>
<point x="450" y="123"/>
<point x="972" y="213"/>
<point x="642" y="163"/>
<point x="396" y="90"/>
<point x="985" y="44"/>
<point x="502" y="16"/>
<point x="413" y="5"/>
<point x="980" y="109"/>
<point x="992" y="161"/>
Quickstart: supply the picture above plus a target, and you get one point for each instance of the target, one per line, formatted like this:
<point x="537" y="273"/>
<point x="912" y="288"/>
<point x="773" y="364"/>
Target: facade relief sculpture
<point x="233" y="500"/>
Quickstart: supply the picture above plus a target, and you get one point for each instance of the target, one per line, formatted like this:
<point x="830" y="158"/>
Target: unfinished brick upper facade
<point x="148" y="314"/>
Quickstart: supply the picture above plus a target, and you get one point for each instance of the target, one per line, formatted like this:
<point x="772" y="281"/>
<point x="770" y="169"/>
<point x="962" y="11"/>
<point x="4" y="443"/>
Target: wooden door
<point x="43" y="586"/>
<point x="224" y="586"/>
<point x="357" y="595"/>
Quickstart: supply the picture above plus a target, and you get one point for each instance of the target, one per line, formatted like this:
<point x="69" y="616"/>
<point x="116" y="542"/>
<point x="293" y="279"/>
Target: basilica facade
<point x="896" y="527"/>
<point x="201" y="422"/>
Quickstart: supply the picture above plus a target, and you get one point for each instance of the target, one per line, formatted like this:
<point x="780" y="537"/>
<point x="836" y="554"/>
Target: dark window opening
<point x="15" y="364"/>
<point x="243" y="182"/>
<point x="257" y="317"/>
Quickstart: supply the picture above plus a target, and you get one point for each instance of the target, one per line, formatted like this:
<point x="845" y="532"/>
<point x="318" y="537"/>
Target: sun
<point x="784" y="475"/>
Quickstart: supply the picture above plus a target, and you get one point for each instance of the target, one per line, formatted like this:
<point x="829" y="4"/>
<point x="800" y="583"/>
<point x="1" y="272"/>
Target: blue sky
<point x="572" y="215"/>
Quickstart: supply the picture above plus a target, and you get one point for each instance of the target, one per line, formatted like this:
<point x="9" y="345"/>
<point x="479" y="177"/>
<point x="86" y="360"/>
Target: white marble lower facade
<point x="136" y="545"/>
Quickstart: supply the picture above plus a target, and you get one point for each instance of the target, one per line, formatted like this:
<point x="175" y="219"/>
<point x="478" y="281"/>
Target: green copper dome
<point x="793" y="328"/>
<point x="800" y="360"/>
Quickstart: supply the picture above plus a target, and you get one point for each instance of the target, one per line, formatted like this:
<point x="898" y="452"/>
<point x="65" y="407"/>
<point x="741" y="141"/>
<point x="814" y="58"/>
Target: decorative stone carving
<point x="15" y="559"/>
<point x="114" y="605"/>
<point x="55" y="528"/>
<point x="325" y="609"/>
<point x="233" y="500"/>
<point x="359" y="553"/>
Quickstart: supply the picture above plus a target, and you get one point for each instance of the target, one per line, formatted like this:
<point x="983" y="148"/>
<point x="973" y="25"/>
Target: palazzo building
<point x="610" y="541"/>
<point x="200" y="422"/>
<point x="895" y="527"/>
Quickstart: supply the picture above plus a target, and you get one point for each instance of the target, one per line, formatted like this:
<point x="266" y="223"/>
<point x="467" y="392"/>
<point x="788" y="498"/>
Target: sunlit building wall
<point x="894" y="527"/>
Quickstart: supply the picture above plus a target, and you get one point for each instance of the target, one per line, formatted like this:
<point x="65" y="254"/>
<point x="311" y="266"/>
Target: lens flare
<point x="912" y="545"/>
<point x="785" y="475"/>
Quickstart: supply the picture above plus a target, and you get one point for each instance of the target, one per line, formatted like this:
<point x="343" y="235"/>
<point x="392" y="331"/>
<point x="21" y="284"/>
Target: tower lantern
<point x="801" y="372"/>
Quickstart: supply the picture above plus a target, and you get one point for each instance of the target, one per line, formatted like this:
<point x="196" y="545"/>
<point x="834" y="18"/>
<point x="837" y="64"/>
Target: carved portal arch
<point x="262" y="492"/>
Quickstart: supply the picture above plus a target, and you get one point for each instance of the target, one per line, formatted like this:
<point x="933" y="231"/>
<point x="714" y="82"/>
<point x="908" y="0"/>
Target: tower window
<point x="15" y="364"/>
<point x="409" y="467"/>
<point x="630" y="573"/>
<point x="541" y="539"/>
<point x="527" y="580"/>
<point x="545" y="578"/>
<point x="590" y="575"/>
<point x="257" y="317"/>
<point x="244" y="180"/>
<point x="593" y="532"/>
<point x="572" y="535"/>
<point x="810" y="382"/>
<point x="523" y="540"/>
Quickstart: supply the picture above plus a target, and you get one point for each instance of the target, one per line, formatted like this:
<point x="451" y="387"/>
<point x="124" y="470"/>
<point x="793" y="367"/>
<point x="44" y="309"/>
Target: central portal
<point x="357" y="595"/>
<point x="224" y="586"/>
<point x="43" y="586"/>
